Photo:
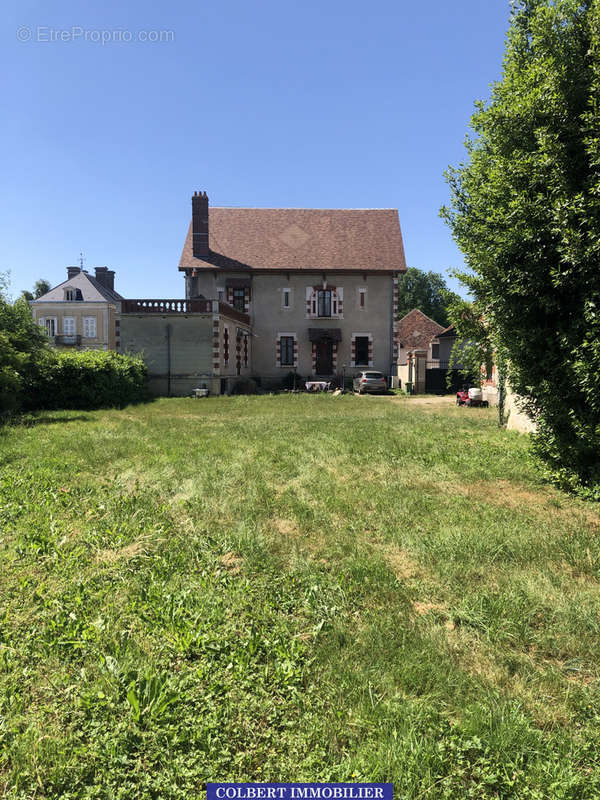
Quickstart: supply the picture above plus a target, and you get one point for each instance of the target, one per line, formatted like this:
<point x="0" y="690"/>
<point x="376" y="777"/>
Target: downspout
<point x="393" y="316"/>
<point x="168" y="361"/>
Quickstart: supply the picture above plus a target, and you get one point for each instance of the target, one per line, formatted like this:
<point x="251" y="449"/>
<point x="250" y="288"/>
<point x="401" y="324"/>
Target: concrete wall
<point x="191" y="350"/>
<point x="516" y="419"/>
<point x="402" y="376"/>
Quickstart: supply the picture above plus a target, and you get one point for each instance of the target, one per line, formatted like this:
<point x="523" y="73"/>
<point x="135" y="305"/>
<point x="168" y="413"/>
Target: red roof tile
<point x="301" y="238"/>
<point x="416" y="330"/>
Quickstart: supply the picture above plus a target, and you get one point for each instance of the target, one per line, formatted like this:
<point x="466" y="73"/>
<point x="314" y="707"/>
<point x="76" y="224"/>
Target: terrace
<point x="185" y="306"/>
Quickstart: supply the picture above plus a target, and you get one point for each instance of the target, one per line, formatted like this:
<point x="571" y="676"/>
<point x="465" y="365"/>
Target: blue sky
<point x="260" y="103"/>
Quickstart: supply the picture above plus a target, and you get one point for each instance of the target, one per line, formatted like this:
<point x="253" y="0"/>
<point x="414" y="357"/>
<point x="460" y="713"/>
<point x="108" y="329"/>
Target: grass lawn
<point x="293" y="588"/>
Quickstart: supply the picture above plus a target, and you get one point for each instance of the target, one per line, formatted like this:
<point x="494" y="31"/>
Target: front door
<point x="324" y="365"/>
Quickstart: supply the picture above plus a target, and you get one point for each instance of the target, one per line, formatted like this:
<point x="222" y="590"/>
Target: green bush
<point x="24" y="348"/>
<point x="244" y="386"/>
<point x="35" y="376"/>
<point x="88" y="379"/>
<point x="292" y="381"/>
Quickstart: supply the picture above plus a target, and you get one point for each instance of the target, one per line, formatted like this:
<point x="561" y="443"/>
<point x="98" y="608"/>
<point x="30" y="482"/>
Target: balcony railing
<point x="148" y="306"/>
<point x="68" y="339"/>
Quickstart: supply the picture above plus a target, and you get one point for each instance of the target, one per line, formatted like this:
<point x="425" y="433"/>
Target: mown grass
<point x="292" y="588"/>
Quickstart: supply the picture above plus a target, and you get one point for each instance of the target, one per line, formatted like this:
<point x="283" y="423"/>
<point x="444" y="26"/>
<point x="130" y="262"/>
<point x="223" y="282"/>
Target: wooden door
<point x="324" y="365"/>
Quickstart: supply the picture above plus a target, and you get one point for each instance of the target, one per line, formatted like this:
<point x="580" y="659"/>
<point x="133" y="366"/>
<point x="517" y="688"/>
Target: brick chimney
<point x="106" y="277"/>
<point x="72" y="271"/>
<point x="200" y="224"/>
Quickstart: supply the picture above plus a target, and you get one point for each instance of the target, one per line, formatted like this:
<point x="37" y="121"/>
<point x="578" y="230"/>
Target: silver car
<point x="369" y="381"/>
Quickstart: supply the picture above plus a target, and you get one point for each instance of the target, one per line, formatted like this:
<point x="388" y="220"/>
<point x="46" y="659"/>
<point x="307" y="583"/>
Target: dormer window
<point x="70" y="294"/>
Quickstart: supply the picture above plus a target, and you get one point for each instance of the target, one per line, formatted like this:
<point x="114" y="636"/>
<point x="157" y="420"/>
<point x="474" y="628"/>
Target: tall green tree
<point x="525" y="211"/>
<point x="41" y="287"/>
<point x="426" y="291"/>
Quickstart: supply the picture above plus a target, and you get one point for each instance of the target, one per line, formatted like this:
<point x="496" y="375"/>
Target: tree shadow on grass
<point x="31" y="420"/>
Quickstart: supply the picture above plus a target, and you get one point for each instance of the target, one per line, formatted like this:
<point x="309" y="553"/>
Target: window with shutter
<point x="89" y="327"/>
<point x="287" y="351"/>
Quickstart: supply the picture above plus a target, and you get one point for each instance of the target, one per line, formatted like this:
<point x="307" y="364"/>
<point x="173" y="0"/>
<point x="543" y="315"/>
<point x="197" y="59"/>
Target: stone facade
<point x="285" y="305"/>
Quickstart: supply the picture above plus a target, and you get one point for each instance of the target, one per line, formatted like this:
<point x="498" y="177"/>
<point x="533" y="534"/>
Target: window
<point x="286" y="300"/>
<point x="50" y="325"/>
<point x="239" y="299"/>
<point x="324" y="302"/>
<point x="362" y="349"/>
<point x="435" y="351"/>
<point x="226" y="345"/>
<point x="89" y="327"/>
<point x="69" y="326"/>
<point x="362" y="298"/>
<point x="70" y="294"/>
<point x="287" y="351"/>
<point x="221" y="295"/>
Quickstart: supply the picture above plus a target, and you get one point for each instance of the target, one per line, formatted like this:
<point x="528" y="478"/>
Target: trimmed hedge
<point x="88" y="379"/>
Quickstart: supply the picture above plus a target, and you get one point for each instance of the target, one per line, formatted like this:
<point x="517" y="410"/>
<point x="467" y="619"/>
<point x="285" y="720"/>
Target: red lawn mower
<point x="471" y="397"/>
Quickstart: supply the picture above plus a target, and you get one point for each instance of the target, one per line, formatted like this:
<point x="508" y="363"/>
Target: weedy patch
<point x="138" y="548"/>
<point x="231" y="562"/>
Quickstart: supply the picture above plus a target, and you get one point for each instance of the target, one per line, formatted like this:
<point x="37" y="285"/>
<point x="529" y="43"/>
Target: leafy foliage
<point x="426" y="291"/>
<point x="472" y="353"/>
<point x="89" y="379"/>
<point x="24" y="351"/>
<point x="41" y="287"/>
<point x="525" y="210"/>
<point x="34" y="376"/>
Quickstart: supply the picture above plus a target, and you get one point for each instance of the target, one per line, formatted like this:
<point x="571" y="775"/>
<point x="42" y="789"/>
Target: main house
<point x="273" y="290"/>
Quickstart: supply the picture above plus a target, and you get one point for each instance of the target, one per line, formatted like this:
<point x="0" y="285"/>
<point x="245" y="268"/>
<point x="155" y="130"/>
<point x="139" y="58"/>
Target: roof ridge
<point x="300" y="208"/>
<point x="103" y="289"/>
<point x="424" y="314"/>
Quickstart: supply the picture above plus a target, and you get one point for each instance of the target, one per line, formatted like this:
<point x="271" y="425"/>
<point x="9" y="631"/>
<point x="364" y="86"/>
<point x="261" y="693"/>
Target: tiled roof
<point x="300" y="238"/>
<point x="91" y="290"/>
<point x="416" y="330"/>
<point x="449" y="331"/>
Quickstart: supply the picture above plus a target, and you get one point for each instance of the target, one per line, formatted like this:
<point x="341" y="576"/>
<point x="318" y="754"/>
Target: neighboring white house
<point x="81" y="312"/>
